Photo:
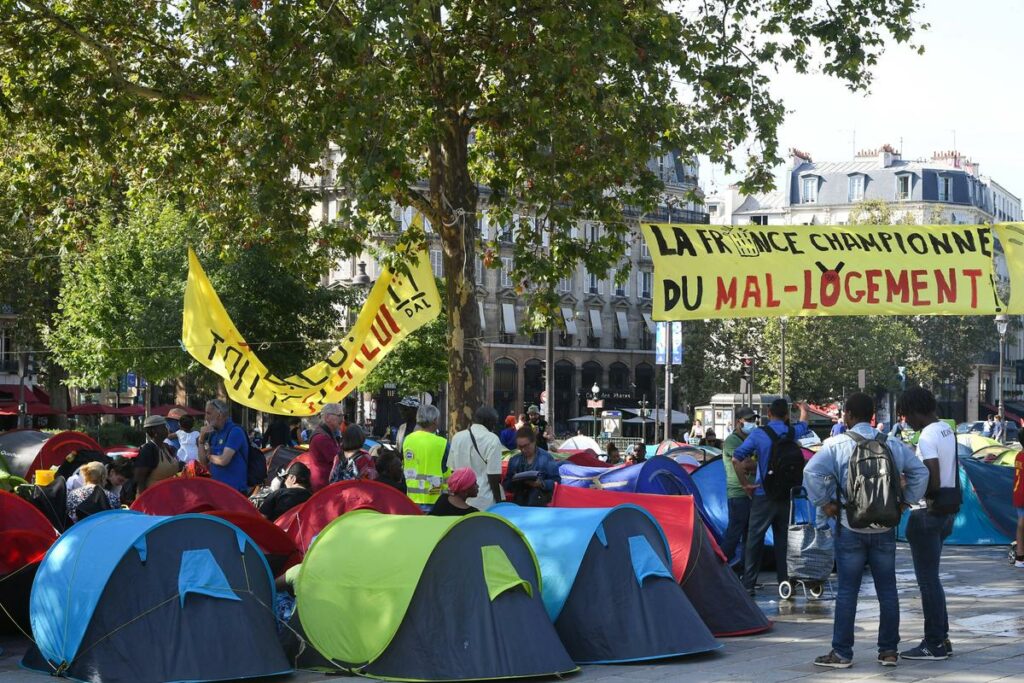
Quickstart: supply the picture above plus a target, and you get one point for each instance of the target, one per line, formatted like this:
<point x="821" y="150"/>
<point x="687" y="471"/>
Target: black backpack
<point x="785" y="465"/>
<point x="255" y="466"/>
<point x="873" y="496"/>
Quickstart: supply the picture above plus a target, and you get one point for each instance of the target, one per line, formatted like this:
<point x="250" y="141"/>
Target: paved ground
<point x="986" y="602"/>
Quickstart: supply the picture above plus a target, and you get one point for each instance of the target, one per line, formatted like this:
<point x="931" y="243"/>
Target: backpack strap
<point x="857" y="438"/>
<point x="772" y="434"/>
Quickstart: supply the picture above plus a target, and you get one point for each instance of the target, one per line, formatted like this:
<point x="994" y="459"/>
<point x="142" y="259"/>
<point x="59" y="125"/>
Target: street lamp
<point x="1002" y="322"/>
<point x="782" y="358"/>
<point x="363" y="283"/>
<point x="595" y="392"/>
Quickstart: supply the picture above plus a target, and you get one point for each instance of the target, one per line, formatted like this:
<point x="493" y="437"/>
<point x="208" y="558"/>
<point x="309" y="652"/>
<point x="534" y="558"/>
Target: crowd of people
<point x="860" y="481"/>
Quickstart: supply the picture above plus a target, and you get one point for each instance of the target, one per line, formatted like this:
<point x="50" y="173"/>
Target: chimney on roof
<point x="887" y="154"/>
<point x="799" y="158"/>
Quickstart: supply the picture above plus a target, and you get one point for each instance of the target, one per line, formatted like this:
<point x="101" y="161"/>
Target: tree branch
<point x="113" y="66"/>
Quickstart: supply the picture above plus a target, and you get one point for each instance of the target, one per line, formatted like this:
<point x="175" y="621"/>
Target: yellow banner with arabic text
<point x="751" y="271"/>
<point x="396" y="306"/>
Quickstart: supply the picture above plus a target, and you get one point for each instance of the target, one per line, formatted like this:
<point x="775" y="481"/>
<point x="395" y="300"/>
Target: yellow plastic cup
<point x="44" y="477"/>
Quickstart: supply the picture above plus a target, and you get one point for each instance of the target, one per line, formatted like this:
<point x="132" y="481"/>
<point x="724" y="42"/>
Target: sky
<point x="969" y="80"/>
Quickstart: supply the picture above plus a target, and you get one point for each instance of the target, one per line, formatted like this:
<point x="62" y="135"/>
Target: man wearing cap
<point x="224" y="447"/>
<point x="173" y="416"/>
<point x="154" y="462"/>
<point x="407" y="408"/>
<point x="540" y="425"/>
<point x="324" y="446"/>
<point x="738" y="495"/>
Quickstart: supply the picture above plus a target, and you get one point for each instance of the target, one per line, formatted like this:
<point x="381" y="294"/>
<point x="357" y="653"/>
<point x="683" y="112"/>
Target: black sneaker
<point x="926" y="652"/>
<point x="949" y="647"/>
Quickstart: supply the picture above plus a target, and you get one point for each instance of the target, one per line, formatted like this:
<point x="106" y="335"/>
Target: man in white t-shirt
<point x="928" y="527"/>
<point x="479" y="449"/>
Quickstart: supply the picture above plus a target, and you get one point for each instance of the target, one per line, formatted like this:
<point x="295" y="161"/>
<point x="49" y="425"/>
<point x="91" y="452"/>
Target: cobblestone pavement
<point x="986" y="603"/>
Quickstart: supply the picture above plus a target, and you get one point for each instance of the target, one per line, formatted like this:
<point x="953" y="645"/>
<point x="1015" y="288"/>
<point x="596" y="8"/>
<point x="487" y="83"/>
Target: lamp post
<point x="1002" y="322"/>
<point x="782" y="357"/>
<point x="595" y="393"/>
<point x="362" y="282"/>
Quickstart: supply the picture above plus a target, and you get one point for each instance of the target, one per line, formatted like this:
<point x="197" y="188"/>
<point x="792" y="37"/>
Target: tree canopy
<point x="229" y="108"/>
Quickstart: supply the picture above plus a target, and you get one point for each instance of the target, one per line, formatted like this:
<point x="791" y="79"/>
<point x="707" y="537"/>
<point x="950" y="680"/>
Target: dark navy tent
<point x="123" y="596"/>
<point x="608" y="584"/>
<point x="709" y="479"/>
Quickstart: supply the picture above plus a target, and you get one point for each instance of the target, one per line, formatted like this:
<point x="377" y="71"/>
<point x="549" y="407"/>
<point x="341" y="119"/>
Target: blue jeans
<point x="853" y="551"/>
<point x="736" y="532"/>
<point x="765" y="513"/>
<point x="925" y="533"/>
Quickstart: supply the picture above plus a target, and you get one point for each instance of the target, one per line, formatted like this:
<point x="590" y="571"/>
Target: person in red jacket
<point x="324" y="446"/>
<point x="1018" y="502"/>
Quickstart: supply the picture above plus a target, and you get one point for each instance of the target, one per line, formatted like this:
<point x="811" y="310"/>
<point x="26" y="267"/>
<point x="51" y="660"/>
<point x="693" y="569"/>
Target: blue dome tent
<point x="608" y="584"/>
<point x="123" y="596"/>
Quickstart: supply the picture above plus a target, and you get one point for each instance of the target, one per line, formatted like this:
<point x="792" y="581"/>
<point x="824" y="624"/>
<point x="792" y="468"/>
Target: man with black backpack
<point x="780" y="464"/>
<point x="855" y="477"/>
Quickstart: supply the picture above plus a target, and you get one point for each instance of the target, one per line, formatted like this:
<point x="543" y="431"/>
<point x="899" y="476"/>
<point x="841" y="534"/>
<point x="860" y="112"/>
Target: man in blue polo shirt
<point x="765" y="512"/>
<point x="223" y="447"/>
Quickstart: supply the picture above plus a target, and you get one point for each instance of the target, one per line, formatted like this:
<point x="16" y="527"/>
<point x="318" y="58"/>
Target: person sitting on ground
<point x="534" y="491"/>
<point x="462" y="484"/>
<point x="508" y="434"/>
<point x="354" y="462"/>
<point x="188" y="439"/>
<point x="710" y="439"/>
<point x="94" y="474"/>
<point x="389" y="470"/>
<point x="155" y="461"/>
<point x="613" y="456"/>
<point x="294" y="492"/>
<point x="119" y="472"/>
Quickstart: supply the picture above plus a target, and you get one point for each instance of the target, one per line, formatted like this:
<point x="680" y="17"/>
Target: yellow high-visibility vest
<point x="422" y="453"/>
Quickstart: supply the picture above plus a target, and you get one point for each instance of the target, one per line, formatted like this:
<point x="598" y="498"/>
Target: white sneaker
<point x="1019" y="564"/>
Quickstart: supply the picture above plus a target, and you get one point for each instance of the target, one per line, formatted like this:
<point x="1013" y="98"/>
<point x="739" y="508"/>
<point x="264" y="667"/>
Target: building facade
<point x="606" y="336"/>
<point x="946" y="189"/>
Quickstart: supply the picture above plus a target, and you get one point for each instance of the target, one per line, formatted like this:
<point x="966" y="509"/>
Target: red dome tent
<point x="277" y="546"/>
<point x="179" y="496"/>
<point x="305" y="521"/>
<point x="25" y="536"/>
<point x="697" y="563"/>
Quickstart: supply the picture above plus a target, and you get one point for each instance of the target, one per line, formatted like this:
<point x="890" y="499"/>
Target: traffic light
<point x="747" y="368"/>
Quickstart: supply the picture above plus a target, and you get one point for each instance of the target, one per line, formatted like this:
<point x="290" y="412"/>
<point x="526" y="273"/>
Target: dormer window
<point x="809" y="190"/>
<point x="945" y="188"/>
<point x="856" y="188"/>
<point x="903" y="187"/>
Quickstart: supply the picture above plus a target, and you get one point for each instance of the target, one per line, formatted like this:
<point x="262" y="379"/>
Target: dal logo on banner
<point x="396" y="306"/>
<point x="753" y="271"/>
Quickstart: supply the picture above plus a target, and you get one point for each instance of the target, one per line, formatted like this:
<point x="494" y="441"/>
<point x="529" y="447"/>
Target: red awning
<point x="129" y="411"/>
<point x="166" y="408"/>
<point x="92" y="409"/>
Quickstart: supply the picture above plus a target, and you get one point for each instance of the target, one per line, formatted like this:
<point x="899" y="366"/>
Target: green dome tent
<point x="427" y="599"/>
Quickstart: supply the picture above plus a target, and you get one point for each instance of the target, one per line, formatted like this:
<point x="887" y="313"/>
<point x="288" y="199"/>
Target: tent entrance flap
<point x="645" y="561"/>
<point x="200" y="574"/>
<point x="499" y="573"/>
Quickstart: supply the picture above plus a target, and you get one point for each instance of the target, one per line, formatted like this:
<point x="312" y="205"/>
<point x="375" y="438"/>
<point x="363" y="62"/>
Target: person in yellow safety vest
<point x="423" y="456"/>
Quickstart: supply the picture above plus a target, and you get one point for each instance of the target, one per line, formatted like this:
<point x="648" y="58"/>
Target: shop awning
<point x="569" y="316"/>
<point x="508" y="318"/>
<point x="595" y="323"/>
<point x="620" y="316"/>
<point x="650" y="323"/>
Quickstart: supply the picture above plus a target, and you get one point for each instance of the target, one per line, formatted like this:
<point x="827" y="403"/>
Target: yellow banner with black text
<point x="751" y="271"/>
<point x="397" y="305"/>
